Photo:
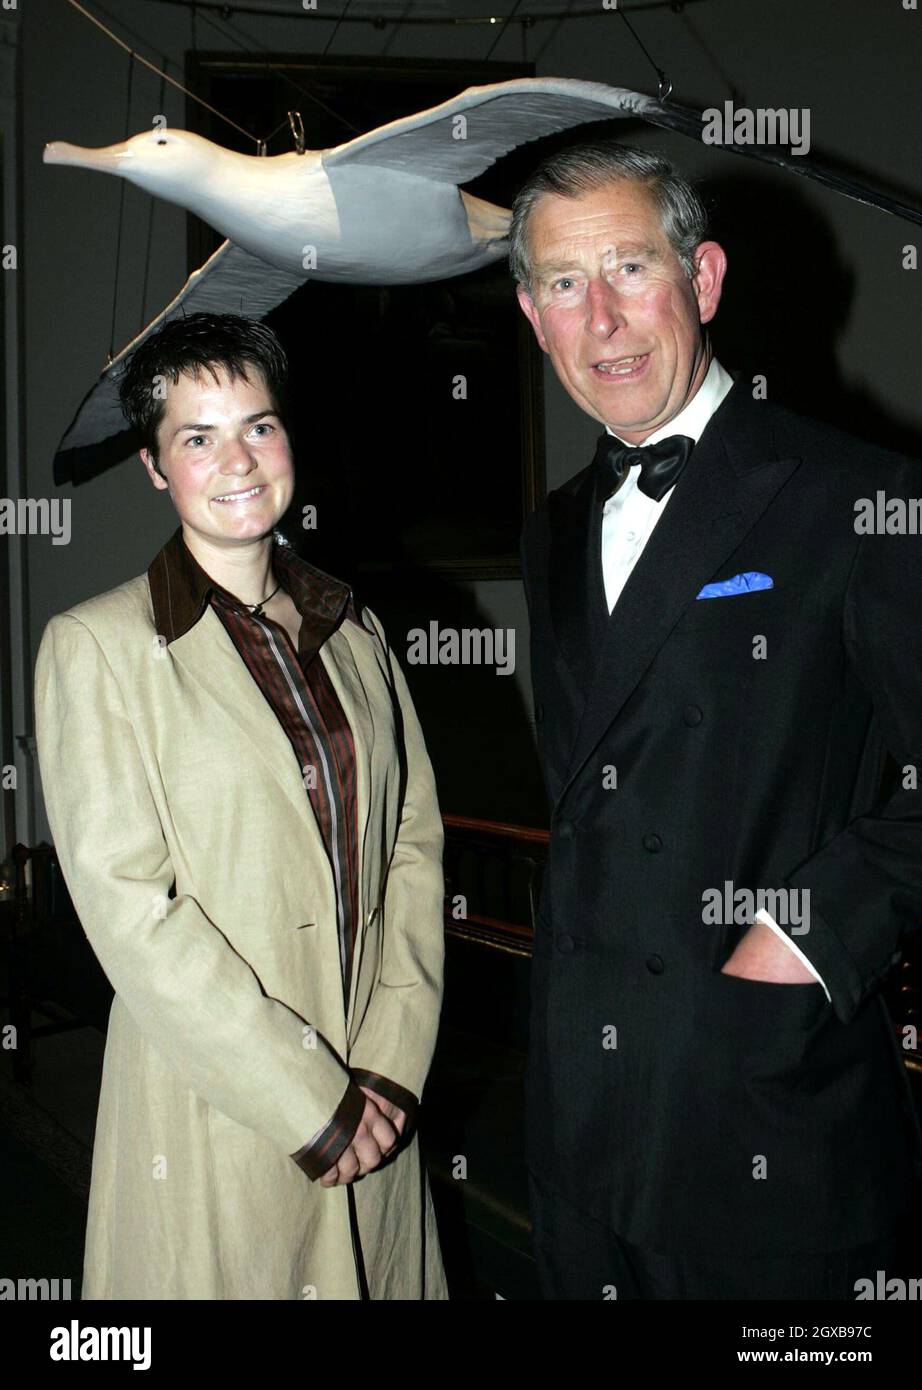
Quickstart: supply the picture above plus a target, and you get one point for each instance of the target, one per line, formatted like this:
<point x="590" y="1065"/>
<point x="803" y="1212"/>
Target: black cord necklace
<point x="256" y="609"/>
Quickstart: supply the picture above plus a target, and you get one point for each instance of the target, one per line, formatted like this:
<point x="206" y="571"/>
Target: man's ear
<point x="707" y="282"/>
<point x="531" y="313"/>
<point x="149" y="462"/>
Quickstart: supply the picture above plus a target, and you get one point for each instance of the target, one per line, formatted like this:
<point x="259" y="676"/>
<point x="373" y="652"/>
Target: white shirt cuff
<point x="766" y="917"/>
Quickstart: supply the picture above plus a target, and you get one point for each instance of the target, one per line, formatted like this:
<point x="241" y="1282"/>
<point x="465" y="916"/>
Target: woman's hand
<point x="379" y="1129"/>
<point x="393" y="1112"/>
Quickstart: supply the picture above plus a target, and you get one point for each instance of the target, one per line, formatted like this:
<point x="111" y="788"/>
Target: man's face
<point x="612" y="306"/>
<point x="223" y="439"/>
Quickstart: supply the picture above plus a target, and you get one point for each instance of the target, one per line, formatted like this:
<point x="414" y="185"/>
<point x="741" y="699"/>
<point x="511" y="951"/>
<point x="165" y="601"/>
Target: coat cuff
<point x="390" y="1090"/>
<point x="848" y="982"/>
<point x="321" y="1152"/>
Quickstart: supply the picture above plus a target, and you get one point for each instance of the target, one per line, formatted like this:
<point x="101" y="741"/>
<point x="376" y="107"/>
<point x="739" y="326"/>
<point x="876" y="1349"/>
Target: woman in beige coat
<point x="245" y="815"/>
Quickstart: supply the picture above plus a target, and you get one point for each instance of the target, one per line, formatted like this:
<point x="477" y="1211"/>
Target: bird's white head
<point x="168" y="163"/>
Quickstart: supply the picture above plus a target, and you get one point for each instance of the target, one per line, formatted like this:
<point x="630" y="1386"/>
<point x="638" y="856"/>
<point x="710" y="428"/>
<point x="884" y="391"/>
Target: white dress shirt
<point x="628" y="519"/>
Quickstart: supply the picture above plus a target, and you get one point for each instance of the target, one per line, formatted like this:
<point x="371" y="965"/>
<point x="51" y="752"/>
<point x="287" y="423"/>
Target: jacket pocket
<point x="742" y="1023"/>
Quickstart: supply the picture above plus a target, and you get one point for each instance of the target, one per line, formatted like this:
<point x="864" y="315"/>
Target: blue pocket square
<point x="739" y="584"/>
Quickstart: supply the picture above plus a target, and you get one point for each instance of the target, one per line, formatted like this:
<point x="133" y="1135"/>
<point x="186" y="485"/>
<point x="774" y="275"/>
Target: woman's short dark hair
<point x="192" y="345"/>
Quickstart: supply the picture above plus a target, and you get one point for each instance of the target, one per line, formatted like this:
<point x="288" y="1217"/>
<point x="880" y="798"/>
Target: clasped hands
<point x="762" y="955"/>
<point x="380" y="1127"/>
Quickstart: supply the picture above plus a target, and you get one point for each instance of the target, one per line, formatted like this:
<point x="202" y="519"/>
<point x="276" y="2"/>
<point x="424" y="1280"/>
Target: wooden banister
<point x="522" y="834"/>
<point x="493" y="865"/>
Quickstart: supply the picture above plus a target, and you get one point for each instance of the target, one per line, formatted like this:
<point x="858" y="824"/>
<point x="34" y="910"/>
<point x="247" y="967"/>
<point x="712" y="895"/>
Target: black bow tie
<point x="660" y="464"/>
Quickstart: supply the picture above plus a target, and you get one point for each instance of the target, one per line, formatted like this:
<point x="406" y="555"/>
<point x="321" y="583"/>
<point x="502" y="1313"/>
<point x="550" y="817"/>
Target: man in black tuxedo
<point x="725" y="649"/>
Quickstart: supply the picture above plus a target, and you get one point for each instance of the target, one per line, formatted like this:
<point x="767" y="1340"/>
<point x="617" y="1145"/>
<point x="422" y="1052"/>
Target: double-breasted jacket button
<point x="656" y="965"/>
<point x="566" y="829"/>
<point x="653" y="843"/>
<point x="565" y="943"/>
<point x="692" y="715"/>
<point x="539" y="712"/>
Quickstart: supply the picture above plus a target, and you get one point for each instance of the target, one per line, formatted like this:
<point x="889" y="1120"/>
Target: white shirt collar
<point x="693" y="417"/>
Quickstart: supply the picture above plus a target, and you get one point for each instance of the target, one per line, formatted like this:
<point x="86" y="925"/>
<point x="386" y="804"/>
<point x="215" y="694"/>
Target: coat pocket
<point x="743" y="1020"/>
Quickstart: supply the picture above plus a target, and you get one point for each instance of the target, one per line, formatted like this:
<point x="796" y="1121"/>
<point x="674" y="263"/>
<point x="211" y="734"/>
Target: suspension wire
<point x="505" y="26"/>
<point x="282" y="125"/>
<point x="396" y="24"/>
<point x="159" y="71"/>
<point x="121" y="213"/>
<point x="150" y="228"/>
<point x="252" y="46"/>
<point x="336" y="28"/>
<point x="665" y="86"/>
<point x="193" y="96"/>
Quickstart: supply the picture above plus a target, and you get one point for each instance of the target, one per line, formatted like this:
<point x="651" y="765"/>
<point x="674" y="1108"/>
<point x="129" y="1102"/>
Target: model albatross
<point x="383" y="209"/>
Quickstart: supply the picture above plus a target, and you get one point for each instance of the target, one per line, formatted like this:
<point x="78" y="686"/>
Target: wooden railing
<point x="494" y="869"/>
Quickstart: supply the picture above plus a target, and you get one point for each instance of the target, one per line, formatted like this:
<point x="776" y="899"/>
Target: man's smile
<point x="627" y="368"/>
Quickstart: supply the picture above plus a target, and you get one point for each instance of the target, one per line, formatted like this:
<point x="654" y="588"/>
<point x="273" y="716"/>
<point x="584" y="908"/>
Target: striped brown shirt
<point x="302" y="697"/>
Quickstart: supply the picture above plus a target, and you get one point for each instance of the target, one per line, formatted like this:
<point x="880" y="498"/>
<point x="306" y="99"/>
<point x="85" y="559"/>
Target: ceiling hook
<point x="297" y="130"/>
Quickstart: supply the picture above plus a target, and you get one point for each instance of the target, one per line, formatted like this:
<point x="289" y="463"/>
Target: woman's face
<point x="225" y="455"/>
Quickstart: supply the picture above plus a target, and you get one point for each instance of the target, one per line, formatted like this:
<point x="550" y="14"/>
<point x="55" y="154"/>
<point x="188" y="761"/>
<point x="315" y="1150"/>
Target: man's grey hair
<point x="589" y="166"/>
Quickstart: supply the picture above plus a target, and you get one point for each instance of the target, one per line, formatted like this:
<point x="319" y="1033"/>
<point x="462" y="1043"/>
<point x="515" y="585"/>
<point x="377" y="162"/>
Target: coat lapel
<point x="339" y="657"/>
<point x="208" y="656"/>
<point x="730" y="479"/>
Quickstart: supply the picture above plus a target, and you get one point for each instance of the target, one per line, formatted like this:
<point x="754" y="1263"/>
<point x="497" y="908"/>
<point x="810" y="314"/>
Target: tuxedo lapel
<point x="730" y="479"/>
<point x="576" y="591"/>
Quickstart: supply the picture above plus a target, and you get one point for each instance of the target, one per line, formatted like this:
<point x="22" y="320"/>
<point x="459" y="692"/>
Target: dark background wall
<point x="816" y="295"/>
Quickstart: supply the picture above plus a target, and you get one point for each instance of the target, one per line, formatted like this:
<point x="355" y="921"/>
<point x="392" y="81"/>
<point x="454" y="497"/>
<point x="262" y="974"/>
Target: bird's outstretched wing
<point x="497" y="118"/>
<point x="230" y="281"/>
<point x="503" y="115"/>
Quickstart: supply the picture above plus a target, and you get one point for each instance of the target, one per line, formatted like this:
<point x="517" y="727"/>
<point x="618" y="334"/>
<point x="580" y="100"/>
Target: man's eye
<point x="633" y="265"/>
<point x="195" y="439"/>
<point x="563" y="283"/>
<point x="264" y="426"/>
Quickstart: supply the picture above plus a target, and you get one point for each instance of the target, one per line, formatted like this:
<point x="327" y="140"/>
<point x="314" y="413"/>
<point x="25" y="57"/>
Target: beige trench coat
<point x="227" y="1039"/>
